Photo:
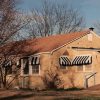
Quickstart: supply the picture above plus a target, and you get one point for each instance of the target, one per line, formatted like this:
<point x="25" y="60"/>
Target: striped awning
<point x="82" y="60"/>
<point x="64" y="61"/>
<point x="35" y="60"/>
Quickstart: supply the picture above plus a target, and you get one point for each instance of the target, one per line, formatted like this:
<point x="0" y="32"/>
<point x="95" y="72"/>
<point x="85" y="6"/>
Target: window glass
<point x="63" y="67"/>
<point x="8" y="66"/>
<point x="35" y="69"/>
<point x="25" y="65"/>
<point x="88" y="67"/>
<point x="35" y="64"/>
<point x="80" y="68"/>
<point x="9" y="69"/>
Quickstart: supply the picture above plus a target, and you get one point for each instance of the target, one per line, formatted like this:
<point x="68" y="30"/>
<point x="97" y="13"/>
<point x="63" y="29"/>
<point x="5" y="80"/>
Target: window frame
<point x="36" y="73"/>
<point x="84" y="66"/>
<point x="35" y="64"/>
<point x="22" y="70"/>
<point x="9" y="64"/>
<point x="91" y="70"/>
<point x="79" y="70"/>
<point x="27" y="62"/>
<point x="30" y="67"/>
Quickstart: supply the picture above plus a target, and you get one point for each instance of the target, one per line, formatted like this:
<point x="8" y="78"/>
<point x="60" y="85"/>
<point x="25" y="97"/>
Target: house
<point x="76" y="56"/>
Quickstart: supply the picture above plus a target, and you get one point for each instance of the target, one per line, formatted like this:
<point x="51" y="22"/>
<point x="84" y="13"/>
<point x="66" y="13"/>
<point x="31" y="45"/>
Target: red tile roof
<point x="45" y="44"/>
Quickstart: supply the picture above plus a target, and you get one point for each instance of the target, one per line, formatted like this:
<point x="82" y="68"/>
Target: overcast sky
<point x="90" y="9"/>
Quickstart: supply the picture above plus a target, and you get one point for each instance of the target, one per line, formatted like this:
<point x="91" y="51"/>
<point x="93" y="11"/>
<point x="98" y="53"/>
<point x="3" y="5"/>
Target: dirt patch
<point x="48" y="95"/>
<point x="96" y="87"/>
<point x="14" y="95"/>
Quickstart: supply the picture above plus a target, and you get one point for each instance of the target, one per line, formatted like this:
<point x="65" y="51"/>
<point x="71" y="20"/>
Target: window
<point x="25" y="65"/>
<point x="88" y="67"/>
<point x="84" y="68"/>
<point x="8" y="65"/>
<point x="35" y="69"/>
<point x="18" y="63"/>
<point x="9" y="70"/>
<point x="35" y="65"/>
<point x="80" y="68"/>
<point x="83" y="62"/>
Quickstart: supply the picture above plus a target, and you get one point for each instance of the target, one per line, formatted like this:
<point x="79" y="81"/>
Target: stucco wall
<point x="36" y="81"/>
<point x="79" y="79"/>
<point x="70" y="75"/>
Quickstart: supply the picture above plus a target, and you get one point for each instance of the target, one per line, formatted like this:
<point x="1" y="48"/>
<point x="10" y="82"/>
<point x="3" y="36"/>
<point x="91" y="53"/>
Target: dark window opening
<point x="9" y="69"/>
<point x="26" y="65"/>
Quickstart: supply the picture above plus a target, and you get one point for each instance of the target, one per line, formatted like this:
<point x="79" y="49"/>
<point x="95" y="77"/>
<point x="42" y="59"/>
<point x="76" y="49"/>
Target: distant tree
<point x="54" y="19"/>
<point x="11" y="20"/>
<point x="97" y="26"/>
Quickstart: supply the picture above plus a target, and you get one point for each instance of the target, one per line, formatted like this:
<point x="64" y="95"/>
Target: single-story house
<point x="74" y="56"/>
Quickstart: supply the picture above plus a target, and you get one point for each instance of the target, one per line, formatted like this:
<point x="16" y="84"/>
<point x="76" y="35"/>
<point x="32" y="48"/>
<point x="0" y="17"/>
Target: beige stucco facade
<point x="79" y="76"/>
<point x="72" y="76"/>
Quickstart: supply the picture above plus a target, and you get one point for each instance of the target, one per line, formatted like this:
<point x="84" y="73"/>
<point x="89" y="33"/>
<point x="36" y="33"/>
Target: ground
<point x="89" y="94"/>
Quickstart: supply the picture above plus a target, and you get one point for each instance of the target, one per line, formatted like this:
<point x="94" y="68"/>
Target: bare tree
<point x="71" y="77"/>
<point x="11" y="23"/>
<point x="10" y="62"/>
<point x="52" y="79"/>
<point x="97" y="26"/>
<point x="54" y="18"/>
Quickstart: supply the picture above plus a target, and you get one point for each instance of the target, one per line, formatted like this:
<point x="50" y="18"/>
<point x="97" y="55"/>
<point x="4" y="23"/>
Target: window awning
<point x="35" y="60"/>
<point x="64" y="61"/>
<point x="82" y="60"/>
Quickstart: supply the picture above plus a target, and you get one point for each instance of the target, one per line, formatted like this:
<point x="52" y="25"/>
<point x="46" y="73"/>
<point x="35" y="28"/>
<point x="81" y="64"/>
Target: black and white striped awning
<point x="82" y="60"/>
<point x="64" y="61"/>
<point x="35" y="60"/>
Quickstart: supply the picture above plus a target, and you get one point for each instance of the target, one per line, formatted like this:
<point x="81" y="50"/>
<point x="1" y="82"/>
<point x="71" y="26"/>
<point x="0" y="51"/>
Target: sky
<point x="90" y="9"/>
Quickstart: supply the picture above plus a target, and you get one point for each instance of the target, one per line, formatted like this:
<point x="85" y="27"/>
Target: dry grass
<point x="49" y="95"/>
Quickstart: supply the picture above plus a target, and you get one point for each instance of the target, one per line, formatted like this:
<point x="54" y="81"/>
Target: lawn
<point x="49" y="95"/>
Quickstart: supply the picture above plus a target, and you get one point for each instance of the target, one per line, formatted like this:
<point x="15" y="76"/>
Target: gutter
<point x="68" y="43"/>
<point x="51" y="52"/>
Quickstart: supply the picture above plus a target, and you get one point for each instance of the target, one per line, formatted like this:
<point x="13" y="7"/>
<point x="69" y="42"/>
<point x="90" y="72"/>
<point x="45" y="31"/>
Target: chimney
<point x="91" y="28"/>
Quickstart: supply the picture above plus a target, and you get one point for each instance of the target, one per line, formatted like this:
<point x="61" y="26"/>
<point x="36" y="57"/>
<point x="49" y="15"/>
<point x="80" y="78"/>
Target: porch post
<point x="22" y="79"/>
<point x="30" y="66"/>
<point x="22" y="66"/>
